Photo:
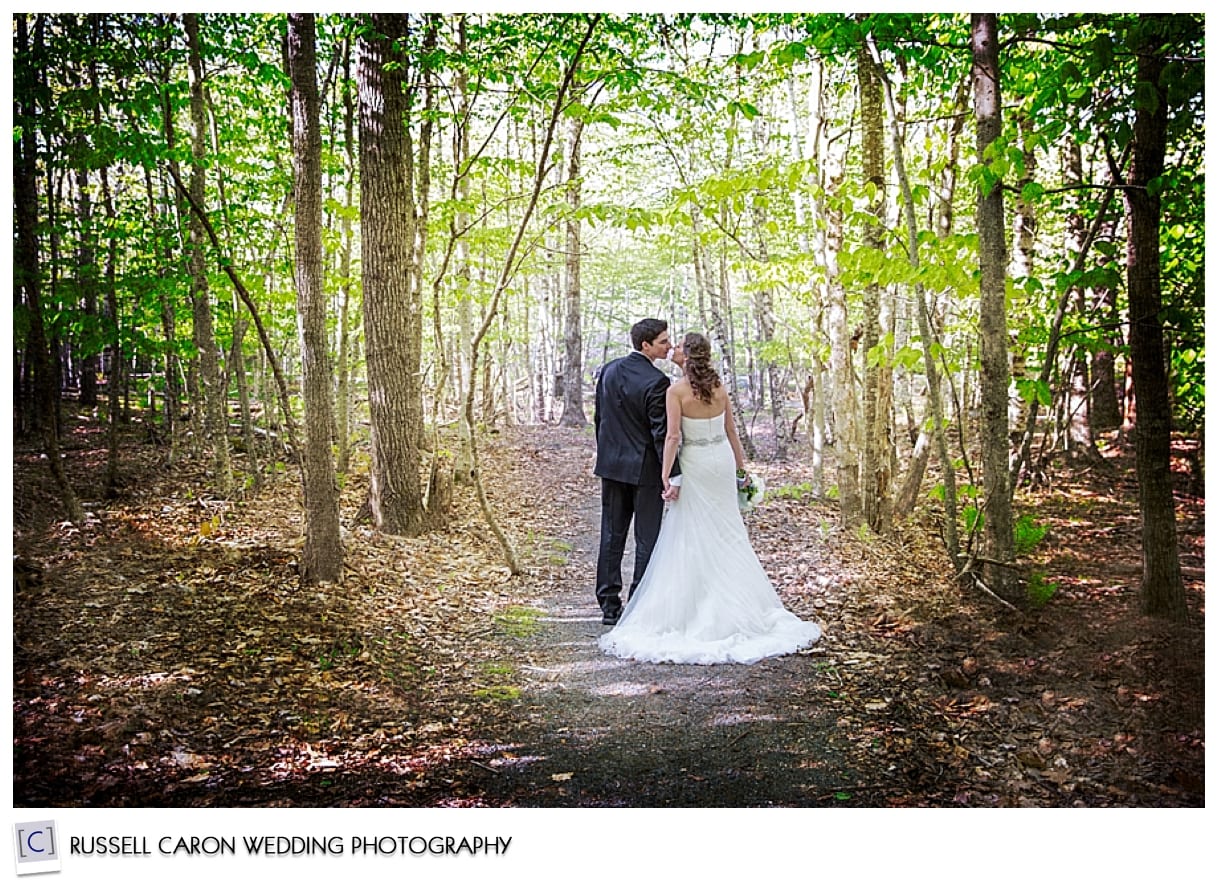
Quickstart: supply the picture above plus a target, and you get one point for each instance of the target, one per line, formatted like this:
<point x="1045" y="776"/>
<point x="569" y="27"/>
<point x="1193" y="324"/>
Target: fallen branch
<point x="985" y="589"/>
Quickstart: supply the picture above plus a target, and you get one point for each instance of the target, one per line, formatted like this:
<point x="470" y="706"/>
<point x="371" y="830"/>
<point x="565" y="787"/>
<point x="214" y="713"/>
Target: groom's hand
<point x="671" y="492"/>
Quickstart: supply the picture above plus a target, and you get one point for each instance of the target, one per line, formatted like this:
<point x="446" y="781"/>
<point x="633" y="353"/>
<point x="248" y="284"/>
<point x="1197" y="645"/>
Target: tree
<point x="725" y="171"/>
<point x="877" y="394"/>
<point x="573" y="365"/>
<point x="342" y="416"/>
<point x="1162" y="591"/>
<point x="323" y="556"/>
<point x="214" y="401"/>
<point x="26" y="270"/>
<point x="907" y="497"/>
<point x="991" y="230"/>
<point x="392" y="312"/>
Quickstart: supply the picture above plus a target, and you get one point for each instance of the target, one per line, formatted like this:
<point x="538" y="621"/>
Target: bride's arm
<point x="729" y="426"/>
<point x="672" y="404"/>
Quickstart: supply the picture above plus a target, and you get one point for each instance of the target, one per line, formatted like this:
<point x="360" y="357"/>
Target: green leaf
<point x="1032" y="192"/>
<point x="789" y="53"/>
<point x="1034" y="390"/>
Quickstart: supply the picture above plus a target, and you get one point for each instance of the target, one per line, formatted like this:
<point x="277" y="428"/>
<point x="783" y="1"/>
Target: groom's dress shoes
<point x="610" y="618"/>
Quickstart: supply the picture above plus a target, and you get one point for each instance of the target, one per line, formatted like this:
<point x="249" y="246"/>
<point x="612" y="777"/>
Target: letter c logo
<point x="29" y="841"/>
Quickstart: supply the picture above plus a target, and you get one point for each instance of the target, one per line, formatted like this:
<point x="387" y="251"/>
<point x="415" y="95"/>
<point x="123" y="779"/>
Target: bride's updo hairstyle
<point x="702" y="377"/>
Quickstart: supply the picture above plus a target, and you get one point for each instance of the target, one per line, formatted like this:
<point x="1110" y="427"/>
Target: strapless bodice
<point x="700" y="432"/>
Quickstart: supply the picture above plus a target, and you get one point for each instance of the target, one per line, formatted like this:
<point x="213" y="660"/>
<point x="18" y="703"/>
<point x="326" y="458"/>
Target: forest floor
<point x="165" y="653"/>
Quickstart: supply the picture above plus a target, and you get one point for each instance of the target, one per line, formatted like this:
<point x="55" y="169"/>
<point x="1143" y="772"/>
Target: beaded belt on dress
<point x="703" y="442"/>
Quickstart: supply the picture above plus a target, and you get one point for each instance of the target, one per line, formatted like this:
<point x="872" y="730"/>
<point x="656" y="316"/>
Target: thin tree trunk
<point x="173" y="391"/>
<point x="343" y="416"/>
<point x="844" y="404"/>
<point x="322" y="560"/>
<point x="1103" y="405"/>
<point x="116" y="378"/>
<point x="995" y="376"/>
<point x="573" y="365"/>
<point x="877" y="372"/>
<point x="214" y="400"/>
<point x="720" y="312"/>
<point x="908" y="495"/>
<point x="236" y="361"/>
<point x="701" y="271"/>
<point x="814" y="405"/>
<point x="1023" y="266"/>
<point x="1028" y="431"/>
<point x="229" y="270"/>
<point x="463" y="469"/>
<point x="174" y="388"/>
<point x="86" y="280"/>
<point x="439" y="492"/>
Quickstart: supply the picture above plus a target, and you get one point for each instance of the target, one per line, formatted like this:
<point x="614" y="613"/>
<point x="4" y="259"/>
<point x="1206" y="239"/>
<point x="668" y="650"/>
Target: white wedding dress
<point x="705" y="598"/>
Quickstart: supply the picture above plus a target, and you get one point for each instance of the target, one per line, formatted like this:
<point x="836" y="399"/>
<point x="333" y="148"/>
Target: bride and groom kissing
<point x="699" y="594"/>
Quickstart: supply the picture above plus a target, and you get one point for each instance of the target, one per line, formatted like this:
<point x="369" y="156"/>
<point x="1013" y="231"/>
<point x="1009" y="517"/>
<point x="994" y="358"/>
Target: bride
<point x="704" y="598"/>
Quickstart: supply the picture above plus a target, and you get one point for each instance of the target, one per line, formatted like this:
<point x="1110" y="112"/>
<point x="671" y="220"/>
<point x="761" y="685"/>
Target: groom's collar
<point x="640" y="354"/>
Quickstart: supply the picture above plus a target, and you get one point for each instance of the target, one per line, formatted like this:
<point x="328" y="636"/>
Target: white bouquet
<point x="750" y="490"/>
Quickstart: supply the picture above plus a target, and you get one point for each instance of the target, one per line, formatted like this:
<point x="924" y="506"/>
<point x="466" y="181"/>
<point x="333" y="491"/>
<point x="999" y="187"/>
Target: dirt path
<point x="619" y="733"/>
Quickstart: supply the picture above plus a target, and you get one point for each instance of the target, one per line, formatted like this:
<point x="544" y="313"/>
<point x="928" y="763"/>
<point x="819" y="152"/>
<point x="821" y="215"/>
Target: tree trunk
<point x="814" y="398"/>
<point x="86" y="280"/>
<point x="236" y="361"/>
<point x="214" y="397"/>
<point x="322" y="560"/>
<point x="26" y="272"/>
<point x="877" y="372"/>
<point x="1103" y="405"/>
<point x="763" y="309"/>
<point x="422" y="203"/>
<point x="463" y="468"/>
<point x="173" y="365"/>
<point x="908" y="496"/>
<point x="573" y="364"/>
<point x="117" y="375"/>
<point x="1023" y="265"/>
<point x="342" y="418"/>
<point x="392" y="314"/>
<point x="995" y="375"/>
<point x="844" y="400"/>
<point x="721" y="311"/>
<point x="1023" y="456"/>
<point x="55" y="180"/>
<point x="1162" y="591"/>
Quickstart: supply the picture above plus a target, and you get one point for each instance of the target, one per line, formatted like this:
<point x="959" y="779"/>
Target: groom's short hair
<point x="646" y="331"/>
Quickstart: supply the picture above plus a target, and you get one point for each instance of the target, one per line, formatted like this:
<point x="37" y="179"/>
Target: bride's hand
<point x="671" y="492"/>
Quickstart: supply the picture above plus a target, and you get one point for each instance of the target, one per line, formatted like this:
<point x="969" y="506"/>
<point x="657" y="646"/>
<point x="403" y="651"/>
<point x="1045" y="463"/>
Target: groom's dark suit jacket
<point x="630" y="421"/>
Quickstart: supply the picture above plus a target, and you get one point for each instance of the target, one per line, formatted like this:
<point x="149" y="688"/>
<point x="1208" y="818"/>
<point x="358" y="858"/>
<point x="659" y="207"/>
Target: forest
<point x="308" y="315"/>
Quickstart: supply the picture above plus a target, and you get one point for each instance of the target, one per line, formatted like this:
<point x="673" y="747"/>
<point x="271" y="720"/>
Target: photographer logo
<point x="36" y="847"/>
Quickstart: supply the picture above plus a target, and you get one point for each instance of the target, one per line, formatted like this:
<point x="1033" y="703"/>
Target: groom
<point x="631" y="423"/>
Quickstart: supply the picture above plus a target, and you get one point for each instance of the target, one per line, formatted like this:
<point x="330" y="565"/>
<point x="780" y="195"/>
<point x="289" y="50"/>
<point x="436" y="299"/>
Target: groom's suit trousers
<point x="621" y="503"/>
